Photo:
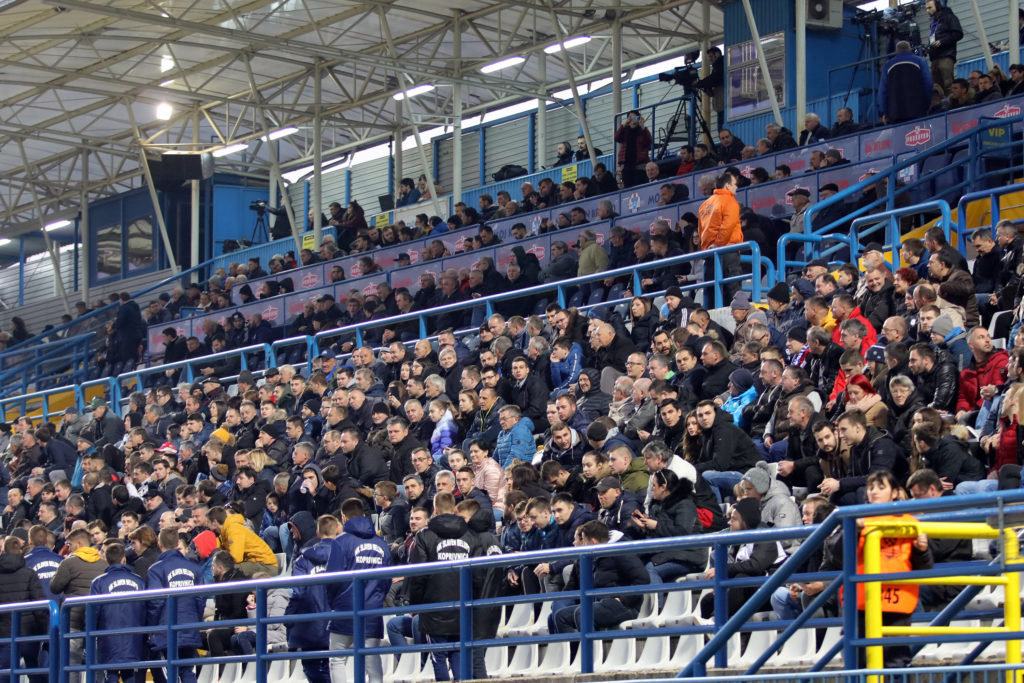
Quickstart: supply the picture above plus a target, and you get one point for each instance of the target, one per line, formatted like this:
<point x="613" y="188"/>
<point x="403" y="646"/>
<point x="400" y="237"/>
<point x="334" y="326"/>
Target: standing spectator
<point x="719" y="221"/>
<point x="357" y="548"/>
<point x="308" y="636"/>
<point x="943" y="34"/>
<point x="634" y="145"/>
<point x="74" y="577"/>
<point x="118" y="578"/>
<point x="905" y="92"/>
<point x="447" y="537"/>
<point x="18" y="583"/>
<point x="174" y="569"/>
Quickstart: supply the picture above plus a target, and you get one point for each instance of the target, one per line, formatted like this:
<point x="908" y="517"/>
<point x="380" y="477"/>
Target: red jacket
<point x="869" y="340"/>
<point x="643" y="146"/>
<point x="975" y="376"/>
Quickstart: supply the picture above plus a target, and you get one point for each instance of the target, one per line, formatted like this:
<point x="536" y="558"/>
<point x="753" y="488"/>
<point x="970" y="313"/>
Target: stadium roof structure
<point x="81" y="80"/>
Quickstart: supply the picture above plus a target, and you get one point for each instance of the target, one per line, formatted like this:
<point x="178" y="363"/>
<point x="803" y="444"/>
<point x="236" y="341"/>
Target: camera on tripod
<point x="686" y="76"/>
<point x="896" y="23"/>
<point x="259" y="207"/>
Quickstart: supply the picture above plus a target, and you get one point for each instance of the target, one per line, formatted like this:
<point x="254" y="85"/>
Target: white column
<point x="315" y="200"/>
<point x="801" y="64"/>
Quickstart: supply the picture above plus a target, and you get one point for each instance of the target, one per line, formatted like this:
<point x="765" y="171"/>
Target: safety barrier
<point x="992" y="196"/>
<point x="975" y="140"/>
<point x="878" y="528"/>
<point x="931" y="511"/>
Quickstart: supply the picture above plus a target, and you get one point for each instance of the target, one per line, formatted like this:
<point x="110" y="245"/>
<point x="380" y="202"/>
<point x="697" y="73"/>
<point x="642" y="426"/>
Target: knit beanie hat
<point x="742" y="378"/>
<point x="749" y="510"/>
<point x="759" y="477"/>
<point x="942" y="325"/>
<point x="741" y="302"/>
<point x="780" y="293"/>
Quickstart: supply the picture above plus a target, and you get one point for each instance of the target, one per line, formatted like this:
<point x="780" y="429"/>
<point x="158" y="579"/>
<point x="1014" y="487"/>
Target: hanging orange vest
<point x="895" y="557"/>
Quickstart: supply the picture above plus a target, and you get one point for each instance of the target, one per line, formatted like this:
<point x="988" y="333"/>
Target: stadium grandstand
<point x="683" y="344"/>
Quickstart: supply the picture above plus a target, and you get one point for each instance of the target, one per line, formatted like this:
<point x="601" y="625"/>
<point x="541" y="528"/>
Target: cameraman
<point x="634" y="146"/>
<point x="943" y="33"/>
<point x="714" y="83"/>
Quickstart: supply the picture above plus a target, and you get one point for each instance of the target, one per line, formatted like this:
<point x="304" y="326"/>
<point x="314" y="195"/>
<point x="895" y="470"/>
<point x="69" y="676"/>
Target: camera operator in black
<point x="714" y="83"/>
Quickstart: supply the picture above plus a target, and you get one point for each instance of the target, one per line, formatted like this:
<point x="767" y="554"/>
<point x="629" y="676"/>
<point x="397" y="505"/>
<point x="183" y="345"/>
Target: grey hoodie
<point x="778" y="510"/>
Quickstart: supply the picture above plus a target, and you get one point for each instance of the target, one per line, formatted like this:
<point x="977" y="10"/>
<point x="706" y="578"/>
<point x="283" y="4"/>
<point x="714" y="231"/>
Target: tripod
<point x="259" y="229"/>
<point x="689" y="105"/>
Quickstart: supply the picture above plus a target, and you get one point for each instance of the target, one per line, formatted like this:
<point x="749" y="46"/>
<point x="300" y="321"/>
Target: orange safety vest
<point x="895" y="557"/>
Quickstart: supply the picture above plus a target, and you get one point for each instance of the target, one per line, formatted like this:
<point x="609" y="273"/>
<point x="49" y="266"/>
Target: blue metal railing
<point x="956" y="508"/>
<point x="992" y="196"/>
<point x="971" y="138"/>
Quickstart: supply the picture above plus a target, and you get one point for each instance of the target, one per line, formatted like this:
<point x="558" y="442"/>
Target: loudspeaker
<point x="172" y="170"/>
<point x="824" y="14"/>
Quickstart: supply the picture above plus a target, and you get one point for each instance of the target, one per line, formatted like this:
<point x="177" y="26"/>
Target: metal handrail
<point x="974" y="506"/>
<point x="994" y="209"/>
<point x="891" y="173"/>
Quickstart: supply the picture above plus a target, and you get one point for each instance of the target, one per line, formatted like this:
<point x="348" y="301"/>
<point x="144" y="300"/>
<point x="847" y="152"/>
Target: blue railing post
<point x="54" y="654"/>
<point x="586" y="614"/>
<point x="89" y="644"/>
<point x="171" y="611"/>
<point x="15" y="655"/>
<point x="358" y="630"/>
<point x="561" y="296"/>
<point x="63" y="654"/>
<point x="718" y="280"/>
<point x="721" y="598"/>
<point x="261" y="634"/>
<point x="465" y="623"/>
<point x="269" y="356"/>
<point x="850" y="538"/>
<point x="423" y="327"/>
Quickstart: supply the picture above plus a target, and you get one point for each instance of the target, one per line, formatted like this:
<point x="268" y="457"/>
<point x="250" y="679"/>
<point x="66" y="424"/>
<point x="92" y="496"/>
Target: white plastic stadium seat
<point x="555" y="661"/>
<point x="757" y="643"/>
<point x="518" y="620"/>
<point x="523" y="662"/>
<point x="648" y="610"/>
<point x="655" y="654"/>
<point x="796" y="651"/>
<point x="621" y="656"/>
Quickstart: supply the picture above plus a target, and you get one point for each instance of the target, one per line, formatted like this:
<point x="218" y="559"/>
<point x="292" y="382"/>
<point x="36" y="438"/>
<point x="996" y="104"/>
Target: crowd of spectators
<point x="536" y="432"/>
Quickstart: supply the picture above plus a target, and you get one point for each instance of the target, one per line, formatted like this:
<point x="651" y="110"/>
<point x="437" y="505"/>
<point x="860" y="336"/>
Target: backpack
<point x="508" y="172"/>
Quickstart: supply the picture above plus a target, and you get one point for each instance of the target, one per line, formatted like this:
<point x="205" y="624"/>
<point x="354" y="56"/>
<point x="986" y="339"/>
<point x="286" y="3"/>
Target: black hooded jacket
<point x="446" y="538"/>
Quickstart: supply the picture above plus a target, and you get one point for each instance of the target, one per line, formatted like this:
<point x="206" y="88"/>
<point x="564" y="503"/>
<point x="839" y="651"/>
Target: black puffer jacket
<point x="717" y="379"/>
<point x="677" y="516"/>
<point x="951" y="460"/>
<point x="876" y="452"/>
<point x="644" y="329"/>
<point x="877" y="306"/>
<point x="446" y="537"/>
<point x="727" y="448"/>
<point x="18" y="583"/>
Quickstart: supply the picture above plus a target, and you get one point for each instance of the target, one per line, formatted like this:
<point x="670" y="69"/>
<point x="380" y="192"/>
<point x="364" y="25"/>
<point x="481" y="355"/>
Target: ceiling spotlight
<point x="230" y="149"/>
<point x="4" y="242"/>
<point x="502" y="64"/>
<point x="164" y="111"/>
<point x="567" y="45"/>
<point x="166" y="63"/>
<point x="413" y="92"/>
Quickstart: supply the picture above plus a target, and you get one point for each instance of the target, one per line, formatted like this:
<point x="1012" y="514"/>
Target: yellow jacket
<point x="243" y="544"/>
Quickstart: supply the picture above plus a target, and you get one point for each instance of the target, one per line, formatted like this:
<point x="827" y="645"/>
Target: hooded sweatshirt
<point x="358" y="548"/>
<point x="74" y="576"/>
<point x="309" y="635"/>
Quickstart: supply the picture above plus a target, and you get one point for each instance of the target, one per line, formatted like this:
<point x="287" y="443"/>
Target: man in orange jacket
<point x="719" y="226"/>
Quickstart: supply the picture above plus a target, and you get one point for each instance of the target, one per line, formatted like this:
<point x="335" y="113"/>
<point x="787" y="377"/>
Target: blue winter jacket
<point x="516" y="443"/>
<point x="128" y="647"/>
<point x="735" y="405"/>
<point x="567" y="371"/>
<point x="358" y="548"/>
<point x="312" y="634"/>
<point x="44" y="563"/>
<point x="173" y="570"/>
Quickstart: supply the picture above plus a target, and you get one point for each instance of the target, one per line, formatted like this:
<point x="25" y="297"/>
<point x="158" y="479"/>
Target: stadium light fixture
<point x="230" y="149"/>
<point x="502" y="64"/>
<point x="56" y="225"/>
<point x="280" y="133"/>
<point x="413" y="92"/>
<point x="164" y="111"/>
<point x="567" y="45"/>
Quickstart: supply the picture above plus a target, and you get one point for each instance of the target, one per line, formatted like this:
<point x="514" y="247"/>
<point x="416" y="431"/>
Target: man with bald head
<point x="636" y="365"/>
<point x="612" y="350"/>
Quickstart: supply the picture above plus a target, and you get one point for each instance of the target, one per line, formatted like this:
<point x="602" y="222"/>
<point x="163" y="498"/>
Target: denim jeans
<point x="722" y="483"/>
<point x="784" y="605"/>
<point x="775" y="453"/>
<point x="966" y="488"/>
<point x="667" y="572"/>
<point x="401" y="628"/>
<point x="442" y="659"/>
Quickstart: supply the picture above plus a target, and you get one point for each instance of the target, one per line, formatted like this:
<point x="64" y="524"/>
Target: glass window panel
<point x="141" y="253"/>
<point x="108" y="252"/>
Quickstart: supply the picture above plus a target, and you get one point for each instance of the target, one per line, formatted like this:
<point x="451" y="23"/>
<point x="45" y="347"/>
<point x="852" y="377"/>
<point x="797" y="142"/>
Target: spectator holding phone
<point x="634" y="146"/>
